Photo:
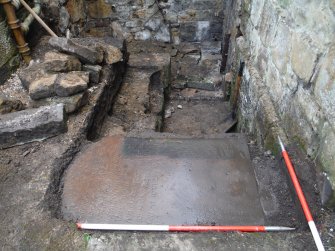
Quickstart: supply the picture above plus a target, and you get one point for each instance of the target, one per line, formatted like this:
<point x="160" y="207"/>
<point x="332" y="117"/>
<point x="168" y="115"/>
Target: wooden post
<point x="15" y="26"/>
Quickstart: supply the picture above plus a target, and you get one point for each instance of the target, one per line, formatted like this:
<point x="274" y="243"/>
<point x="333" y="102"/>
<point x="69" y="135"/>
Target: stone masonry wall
<point x="289" y="80"/>
<point x="161" y="20"/>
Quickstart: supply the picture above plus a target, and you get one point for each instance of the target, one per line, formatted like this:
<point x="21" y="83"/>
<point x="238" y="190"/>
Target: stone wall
<point x="289" y="80"/>
<point x="161" y="20"/>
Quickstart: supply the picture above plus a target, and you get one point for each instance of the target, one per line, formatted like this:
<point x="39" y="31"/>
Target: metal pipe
<point x="15" y="26"/>
<point x="45" y="26"/>
<point x="167" y="228"/>
<point x="30" y="18"/>
<point x="237" y="89"/>
<point x="301" y="197"/>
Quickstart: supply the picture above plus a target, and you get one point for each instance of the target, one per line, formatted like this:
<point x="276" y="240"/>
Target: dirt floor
<point x="31" y="182"/>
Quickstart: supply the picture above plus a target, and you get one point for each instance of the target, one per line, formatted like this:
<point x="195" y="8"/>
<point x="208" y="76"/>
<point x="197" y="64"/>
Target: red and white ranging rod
<point x="167" y="228"/>
<point x="302" y="198"/>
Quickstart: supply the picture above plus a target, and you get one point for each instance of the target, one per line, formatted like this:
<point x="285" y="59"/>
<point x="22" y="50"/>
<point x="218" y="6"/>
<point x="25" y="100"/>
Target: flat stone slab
<point x="149" y="60"/>
<point x="31" y="125"/>
<point x="163" y="181"/>
<point x="85" y="54"/>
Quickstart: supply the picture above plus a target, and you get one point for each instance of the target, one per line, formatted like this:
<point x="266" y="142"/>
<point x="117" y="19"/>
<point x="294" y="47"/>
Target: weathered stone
<point x="163" y="34"/>
<point x="76" y="9"/>
<point x="228" y="77"/>
<point x="327" y="191"/>
<point x="149" y="60"/>
<point x="200" y="31"/>
<point x="280" y="48"/>
<point x="327" y="158"/>
<point x="60" y="62"/>
<point x="211" y="47"/>
<point x="113" y="49"/>
<point x="325" y="85"/>
<point x="64" y="19"/>
<point x="99" y="9"/>
<point x="189" y="48"/>
<point x="143" y="35"/>
<point x="94" y="72"/>
<point x="140" y="13"/>
<point x="85" y="54"/>
<point x="303" y="57"/>
<point x="153" y="24"/>
<point x="118" y="31"/>
<point x="31" y="125"/>
<point x="268" y="23"/>
<point x="71" y="83"/>
<point x="10" y="105"/>
<point x="112" y="54"/>
<point x="43" y="87"/>
<point x="188" y="31"/>
<point x="71" y="104"/>
<point x="29" y="74"/>
<point x="175" y="36"/>
<point x="174" y="52"/>
<point x="256" y="12"/>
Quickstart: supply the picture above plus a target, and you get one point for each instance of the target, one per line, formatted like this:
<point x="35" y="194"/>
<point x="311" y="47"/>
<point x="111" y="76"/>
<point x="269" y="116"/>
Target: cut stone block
<point x="112" y="54"/>
<point x="60" y="62"/>
<point x="163" y="181"/>
<point x="211" y="47"/>
<point x="85" y="54"/>
<point x="43" y="87"/>
<point x="31" y="125"/>
<point x="114" y="50"/>
<point x="72" y="83"/>
<point x="149" y="60"/>
<point x="71" y="104"/>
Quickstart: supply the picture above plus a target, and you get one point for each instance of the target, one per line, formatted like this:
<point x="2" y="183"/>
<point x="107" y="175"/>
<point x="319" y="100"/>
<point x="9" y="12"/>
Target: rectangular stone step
<point x="130" y="180"/>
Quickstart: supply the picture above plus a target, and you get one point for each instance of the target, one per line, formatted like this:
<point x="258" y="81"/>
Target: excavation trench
<point x="152" y="139"/>
<point x="149" y="107"/>
<point x="167" y="126"/>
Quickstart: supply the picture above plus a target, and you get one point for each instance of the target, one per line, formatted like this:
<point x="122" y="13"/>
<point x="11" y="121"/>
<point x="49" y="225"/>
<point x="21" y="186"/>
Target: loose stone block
<point x="31" y="125"/>
<point x="31" y="73"/>
<point x="43" y="87"/>
<point x="112" y="54"/>
<point x="85" y="54"/>
<point x="71" y="104"/>
<point x="60" y="62"/>
<point x="72" y="83"/>
<point x="112" y="49"/>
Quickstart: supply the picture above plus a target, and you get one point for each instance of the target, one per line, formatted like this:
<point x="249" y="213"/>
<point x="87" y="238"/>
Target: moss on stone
<point x="271" y="143"/>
